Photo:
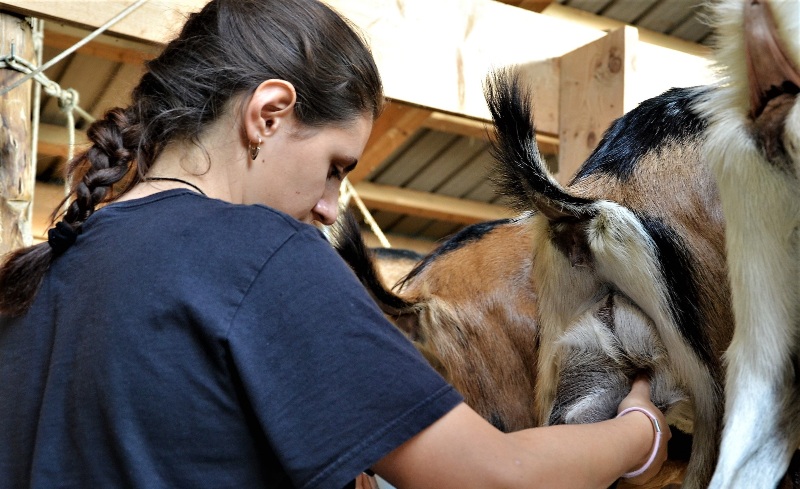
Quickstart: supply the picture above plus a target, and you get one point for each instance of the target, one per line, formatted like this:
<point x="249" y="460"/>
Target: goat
<point x="394" y="263"/>
<point x="639" y="233"/>
<point x="753" y="148"/>
<point x="477" y="329"/>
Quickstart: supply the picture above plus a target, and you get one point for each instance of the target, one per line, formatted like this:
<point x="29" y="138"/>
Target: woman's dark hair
<point x="225" y="50"/>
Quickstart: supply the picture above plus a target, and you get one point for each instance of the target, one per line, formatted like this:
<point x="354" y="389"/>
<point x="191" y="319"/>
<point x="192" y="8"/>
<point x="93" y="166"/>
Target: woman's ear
<point x="269" y="106"/>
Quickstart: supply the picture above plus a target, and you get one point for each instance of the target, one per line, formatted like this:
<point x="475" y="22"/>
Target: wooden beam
<point x="662" y="61"/>
<point x="532" y="5"/>
<point x="432" y="206"/>
<point x="423" y="61"/>
<point x="55" y="36"/>
<point x="54" y="140"/>
<point x="593" y="82"/>
<point x="16" y="162"/>
<point x="607" y="24"/>
<point x="155" y="22"/>
<point x="480" y="129"/>
<point x="397" y="123"/>
<point x="462" y="126"/>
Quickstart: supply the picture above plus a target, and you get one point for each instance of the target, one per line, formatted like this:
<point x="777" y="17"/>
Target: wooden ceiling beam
<point x="396" y="124"/>
<point x="431" y="206"/>
<point x="54" y="140"/>
<point x="462" y="126"/>
<point x="532" y="5"/>
<point x="62" y="37"/>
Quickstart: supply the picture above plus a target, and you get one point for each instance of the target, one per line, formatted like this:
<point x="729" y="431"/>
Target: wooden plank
<point x="442" y="65"/>
<point x="532" y="5"/>
<point x="117" y="92"/>
<point x="58" y="38"/>
<point x="593" y="82"/>
<point x="54" y="140"/>
<point x="155" y="22"/>
<point x="646" y="36"/>
<point x="397" y="123"/>
<point x="462" y="126"/>
<point x="432" y="206"/>
<point x="16" y="162"/>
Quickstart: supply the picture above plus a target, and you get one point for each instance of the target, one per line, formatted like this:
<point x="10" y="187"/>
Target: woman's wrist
<point x="657" y="440"/>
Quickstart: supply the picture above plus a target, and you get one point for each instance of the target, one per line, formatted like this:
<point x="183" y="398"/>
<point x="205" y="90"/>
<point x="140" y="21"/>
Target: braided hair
<point x="224" y="51"/>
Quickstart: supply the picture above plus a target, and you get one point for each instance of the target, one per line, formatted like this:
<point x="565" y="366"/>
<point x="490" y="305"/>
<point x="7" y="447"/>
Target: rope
<point x="348" y="193"/>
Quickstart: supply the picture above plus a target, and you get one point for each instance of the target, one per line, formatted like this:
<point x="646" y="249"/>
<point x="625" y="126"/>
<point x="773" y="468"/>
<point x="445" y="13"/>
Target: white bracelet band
<point x="656" y="443"/>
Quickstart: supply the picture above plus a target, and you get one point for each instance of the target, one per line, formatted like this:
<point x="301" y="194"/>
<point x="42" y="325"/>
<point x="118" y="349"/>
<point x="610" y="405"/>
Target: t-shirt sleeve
<point x="332" y="383"/>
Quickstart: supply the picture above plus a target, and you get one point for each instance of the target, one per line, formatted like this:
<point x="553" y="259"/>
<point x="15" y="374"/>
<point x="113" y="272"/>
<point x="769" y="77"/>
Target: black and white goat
<point x="628" y="266"/>
<point x="753" y="147"/>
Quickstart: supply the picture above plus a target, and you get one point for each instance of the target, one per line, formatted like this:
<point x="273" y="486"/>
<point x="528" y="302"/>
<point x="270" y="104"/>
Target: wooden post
<point x="16" y="167"/>
<point x="593" y="94"/>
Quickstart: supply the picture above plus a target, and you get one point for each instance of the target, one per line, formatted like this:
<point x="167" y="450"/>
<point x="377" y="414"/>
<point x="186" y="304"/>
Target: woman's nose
<point x="327" y="208"/>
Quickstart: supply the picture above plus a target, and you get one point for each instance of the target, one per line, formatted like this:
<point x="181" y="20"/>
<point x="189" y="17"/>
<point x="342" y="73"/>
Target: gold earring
<point x="255" y="148"/>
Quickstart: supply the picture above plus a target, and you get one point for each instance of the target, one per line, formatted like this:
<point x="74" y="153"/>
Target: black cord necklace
<point x="170" y="179"/>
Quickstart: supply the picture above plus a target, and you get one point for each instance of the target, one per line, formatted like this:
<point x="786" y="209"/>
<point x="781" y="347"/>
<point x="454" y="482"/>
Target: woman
<point x="185" y="326"/>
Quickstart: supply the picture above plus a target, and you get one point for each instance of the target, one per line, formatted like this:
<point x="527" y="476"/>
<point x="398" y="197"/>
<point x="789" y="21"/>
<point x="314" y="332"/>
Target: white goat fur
<point x="761" y="203"/>
<point x="624" y="256"/>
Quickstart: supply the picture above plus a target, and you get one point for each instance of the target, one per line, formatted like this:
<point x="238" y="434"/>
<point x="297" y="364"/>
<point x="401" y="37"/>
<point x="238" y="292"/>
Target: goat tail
<point x="520" y="172"/>
<point x="349" y="243"/>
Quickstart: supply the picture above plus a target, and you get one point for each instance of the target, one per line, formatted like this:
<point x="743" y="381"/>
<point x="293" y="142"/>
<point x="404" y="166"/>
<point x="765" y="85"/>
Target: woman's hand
<point x="639" y="397"/>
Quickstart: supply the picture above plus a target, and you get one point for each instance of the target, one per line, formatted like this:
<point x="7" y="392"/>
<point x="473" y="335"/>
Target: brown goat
<point x="478" y="330"/>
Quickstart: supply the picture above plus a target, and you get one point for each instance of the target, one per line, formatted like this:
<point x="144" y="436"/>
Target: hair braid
<point x="94" y="173"/>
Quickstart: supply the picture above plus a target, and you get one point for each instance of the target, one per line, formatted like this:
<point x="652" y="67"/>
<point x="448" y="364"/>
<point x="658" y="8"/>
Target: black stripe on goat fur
<point x="678" y="270"/>
<point x="400" y="253"/>
<point x="654" y="123"/>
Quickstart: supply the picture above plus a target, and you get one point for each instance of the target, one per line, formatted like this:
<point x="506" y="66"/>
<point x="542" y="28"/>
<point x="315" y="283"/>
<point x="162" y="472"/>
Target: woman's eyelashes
<point x="336" y="172"/>
<point x="339" y="171"/>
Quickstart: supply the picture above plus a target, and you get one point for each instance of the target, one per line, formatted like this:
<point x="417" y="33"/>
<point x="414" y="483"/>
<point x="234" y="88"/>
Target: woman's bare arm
<point x="463" y="450"/>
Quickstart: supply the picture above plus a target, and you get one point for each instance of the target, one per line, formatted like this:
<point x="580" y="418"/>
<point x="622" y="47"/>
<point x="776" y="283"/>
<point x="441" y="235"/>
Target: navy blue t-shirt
<point x="186" y="342"/>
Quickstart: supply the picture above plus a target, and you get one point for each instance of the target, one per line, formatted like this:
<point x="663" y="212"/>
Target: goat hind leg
<point x="758" y="440"/>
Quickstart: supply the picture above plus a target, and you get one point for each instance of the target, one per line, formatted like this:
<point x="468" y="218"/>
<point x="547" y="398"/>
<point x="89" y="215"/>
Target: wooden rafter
<point x="432" y="206"/>
<point x="397" y="123"/>
<point x="532" y="5"/>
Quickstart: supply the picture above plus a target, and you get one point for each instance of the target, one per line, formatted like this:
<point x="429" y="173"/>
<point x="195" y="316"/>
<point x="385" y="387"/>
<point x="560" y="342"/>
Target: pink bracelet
<point x="656" y="443"/>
